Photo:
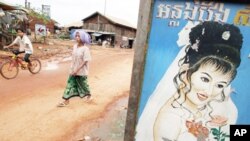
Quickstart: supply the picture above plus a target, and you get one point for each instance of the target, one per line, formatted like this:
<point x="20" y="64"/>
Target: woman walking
<point x="77" y="84"/>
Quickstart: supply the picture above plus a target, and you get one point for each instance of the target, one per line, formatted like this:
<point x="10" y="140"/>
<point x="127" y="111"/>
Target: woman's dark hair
<point x="211" y="32"/>
<point x="213" y="38"/>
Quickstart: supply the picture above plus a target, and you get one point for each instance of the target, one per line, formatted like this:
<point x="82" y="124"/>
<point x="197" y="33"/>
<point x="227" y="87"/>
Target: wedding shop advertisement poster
<point x="196" y="75"/>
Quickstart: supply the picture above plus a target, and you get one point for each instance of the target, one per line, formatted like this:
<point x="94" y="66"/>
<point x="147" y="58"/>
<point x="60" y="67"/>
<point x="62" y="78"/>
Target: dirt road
<point x="28" y="103"/>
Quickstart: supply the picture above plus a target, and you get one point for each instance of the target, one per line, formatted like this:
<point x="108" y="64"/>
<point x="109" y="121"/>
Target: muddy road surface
<point x="28" y="102"/>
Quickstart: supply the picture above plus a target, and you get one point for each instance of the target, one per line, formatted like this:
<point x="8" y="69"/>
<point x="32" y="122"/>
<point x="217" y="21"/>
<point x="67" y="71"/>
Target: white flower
<point x="226" y="35"/>
<point x="195" y="45"/>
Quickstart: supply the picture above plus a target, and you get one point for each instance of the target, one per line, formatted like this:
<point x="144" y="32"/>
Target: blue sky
<point x="70" y="11"/>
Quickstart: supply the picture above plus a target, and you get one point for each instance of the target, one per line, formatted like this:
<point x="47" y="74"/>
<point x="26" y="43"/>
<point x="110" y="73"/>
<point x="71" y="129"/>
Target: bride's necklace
<point x="194" y="115"/>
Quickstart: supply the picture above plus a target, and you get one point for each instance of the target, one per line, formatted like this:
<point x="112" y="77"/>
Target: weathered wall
<point x="34" y="20"/>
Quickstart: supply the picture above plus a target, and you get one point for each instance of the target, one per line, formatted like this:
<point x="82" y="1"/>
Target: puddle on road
<point x="53" y="65"/>
<point x="109" y="128"/>
<point x="66" y="59"/>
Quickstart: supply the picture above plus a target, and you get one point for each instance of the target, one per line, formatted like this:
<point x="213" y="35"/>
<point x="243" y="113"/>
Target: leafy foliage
<point x="39" y="16"/>
<point x="218" y="134"/>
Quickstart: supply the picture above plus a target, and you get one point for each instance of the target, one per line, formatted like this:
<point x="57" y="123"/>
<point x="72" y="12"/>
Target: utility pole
<point x="105" y="8"/>
<point x="26" y="4"/>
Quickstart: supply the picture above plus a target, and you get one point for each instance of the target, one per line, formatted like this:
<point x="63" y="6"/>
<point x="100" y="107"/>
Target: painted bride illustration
<point x="192" y="101"/>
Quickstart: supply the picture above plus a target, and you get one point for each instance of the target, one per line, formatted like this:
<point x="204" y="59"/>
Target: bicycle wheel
<point x="8" y="70"/>
<point x="36" y="66"/>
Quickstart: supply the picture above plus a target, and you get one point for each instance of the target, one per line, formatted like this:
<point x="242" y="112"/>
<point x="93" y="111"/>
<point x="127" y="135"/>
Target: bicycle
<point x="9" y="69"/>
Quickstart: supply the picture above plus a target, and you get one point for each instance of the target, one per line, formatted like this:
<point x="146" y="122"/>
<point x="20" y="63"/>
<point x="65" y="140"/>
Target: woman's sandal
<point x="62" y="104"/>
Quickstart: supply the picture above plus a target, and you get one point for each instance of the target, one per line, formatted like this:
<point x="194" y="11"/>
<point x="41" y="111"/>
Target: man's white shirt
<point x="24" y="44"/>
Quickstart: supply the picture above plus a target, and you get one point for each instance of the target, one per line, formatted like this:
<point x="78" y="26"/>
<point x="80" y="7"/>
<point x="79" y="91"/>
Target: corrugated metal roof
<point x="75" y="24"/>
<point x="99" y="32"/>
<point x="113" y="20"/>
<point x="6" y="6"/>
<point x="120" y="21"/>
<point x="96" y="34"/>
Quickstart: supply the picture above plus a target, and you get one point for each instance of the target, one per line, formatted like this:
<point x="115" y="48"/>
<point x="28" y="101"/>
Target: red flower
<point x="197" y="129"/>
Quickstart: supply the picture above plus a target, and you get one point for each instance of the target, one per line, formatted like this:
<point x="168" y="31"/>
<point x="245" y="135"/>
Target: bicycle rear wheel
<point x="8" y="70"/>
<point x="36" y="66"/>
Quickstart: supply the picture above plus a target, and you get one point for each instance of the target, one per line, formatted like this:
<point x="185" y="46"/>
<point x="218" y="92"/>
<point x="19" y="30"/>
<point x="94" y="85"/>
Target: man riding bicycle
<point x="25" y="45"/>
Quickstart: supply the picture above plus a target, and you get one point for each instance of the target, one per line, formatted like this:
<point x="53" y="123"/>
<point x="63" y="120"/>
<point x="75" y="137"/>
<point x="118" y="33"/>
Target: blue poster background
<point x="162" y="50"/>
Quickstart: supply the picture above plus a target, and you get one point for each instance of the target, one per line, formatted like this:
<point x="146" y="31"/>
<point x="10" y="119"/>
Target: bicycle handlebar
<point x="14" y="51"/>
<point x="6" y="49"/>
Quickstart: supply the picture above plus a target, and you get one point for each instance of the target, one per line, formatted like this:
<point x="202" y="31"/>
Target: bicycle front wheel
<point x="8" y="70"/>
<point x="36" y="66"/>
